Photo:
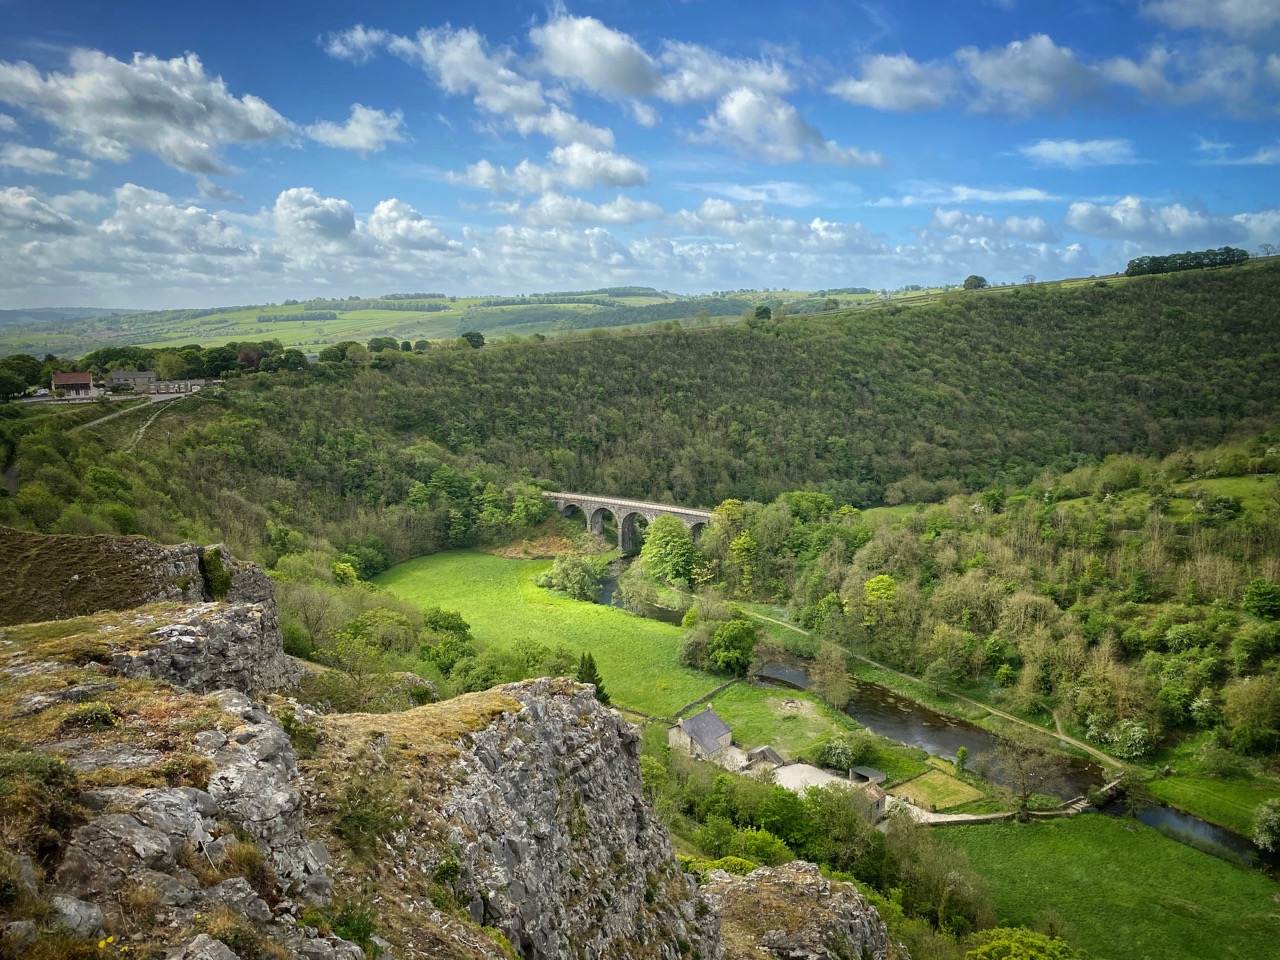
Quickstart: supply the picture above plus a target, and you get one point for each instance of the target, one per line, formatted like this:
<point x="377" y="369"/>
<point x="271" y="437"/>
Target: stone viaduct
<point x="624" y="512"/>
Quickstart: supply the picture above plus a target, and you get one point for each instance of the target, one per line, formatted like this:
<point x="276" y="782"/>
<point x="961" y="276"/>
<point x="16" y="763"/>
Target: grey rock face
<point x="202" y="947"/>
<point x="792" y="912"/>
<point x="558" y="848"/>
<point x="215" y="646"/>
<point x="80" y="918"/>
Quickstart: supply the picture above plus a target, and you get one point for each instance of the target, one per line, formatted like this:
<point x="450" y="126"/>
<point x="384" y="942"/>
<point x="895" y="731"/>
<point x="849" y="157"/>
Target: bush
<point x="367" y="811"/>
<point x="217" y="580"/>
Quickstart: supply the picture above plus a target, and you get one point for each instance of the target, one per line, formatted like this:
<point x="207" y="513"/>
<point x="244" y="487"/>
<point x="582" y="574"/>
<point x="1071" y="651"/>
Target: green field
<point x="1123" y="890"/>
<point x="787" y="720"/>
<point x="636" y="657"/>
<point x="1229" y="803"/>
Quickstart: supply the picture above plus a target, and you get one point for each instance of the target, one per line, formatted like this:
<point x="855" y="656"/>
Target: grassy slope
<point x="636" y="657"/>
<point x="1125" y="891"/>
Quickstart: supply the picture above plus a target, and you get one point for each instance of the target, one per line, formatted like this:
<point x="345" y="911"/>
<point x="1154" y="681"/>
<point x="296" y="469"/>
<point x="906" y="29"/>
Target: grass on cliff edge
<point x="497" y="596"/>
<point x="1124" y="891"/>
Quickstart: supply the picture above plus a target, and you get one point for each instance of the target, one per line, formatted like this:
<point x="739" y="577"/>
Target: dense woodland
<point x="1097" y="535"/>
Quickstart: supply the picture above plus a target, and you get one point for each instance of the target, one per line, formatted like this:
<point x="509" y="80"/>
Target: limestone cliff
<point x="530" y="797"/>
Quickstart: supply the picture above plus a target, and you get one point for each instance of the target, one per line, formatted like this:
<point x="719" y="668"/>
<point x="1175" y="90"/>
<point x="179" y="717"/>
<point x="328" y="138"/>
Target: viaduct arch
<point x="594" y="507"/>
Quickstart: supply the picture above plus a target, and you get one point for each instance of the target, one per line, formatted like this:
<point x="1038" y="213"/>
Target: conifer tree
<point x="587" y="673"/>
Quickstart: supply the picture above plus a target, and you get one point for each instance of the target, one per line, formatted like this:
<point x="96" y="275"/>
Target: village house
<point x="74" y="384"/>
<point x="704" y="735"/>
<point x="137" y="380"/>
<point x="879" y="799"/>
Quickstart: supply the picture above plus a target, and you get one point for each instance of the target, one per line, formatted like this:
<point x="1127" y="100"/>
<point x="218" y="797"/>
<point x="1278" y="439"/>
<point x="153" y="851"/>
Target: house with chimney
<point x="704" y="735"/>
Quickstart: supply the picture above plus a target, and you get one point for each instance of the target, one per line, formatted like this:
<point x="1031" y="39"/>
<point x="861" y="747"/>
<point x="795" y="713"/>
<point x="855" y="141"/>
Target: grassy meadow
<point x="497" y="596"/>
<point x="1123" y="891"/>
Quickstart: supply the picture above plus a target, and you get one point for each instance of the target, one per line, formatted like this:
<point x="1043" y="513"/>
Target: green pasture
<point x="1229" y="803"/>
<point x="1122" y="890"/>
<point x="790" y="721"/>
<point x="497" y="596"/>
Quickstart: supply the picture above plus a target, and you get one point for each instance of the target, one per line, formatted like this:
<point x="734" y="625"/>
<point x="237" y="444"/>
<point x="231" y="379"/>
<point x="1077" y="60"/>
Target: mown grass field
<point x="938" y="790"/>
<point x="1124" y="891"/>
<point x="497" y="596"/>
<point x="1229" y="803"/>
<point x="787" y="720"/>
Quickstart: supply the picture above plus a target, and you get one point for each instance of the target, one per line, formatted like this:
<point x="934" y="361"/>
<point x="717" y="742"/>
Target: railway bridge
<point x="624" y="512"/>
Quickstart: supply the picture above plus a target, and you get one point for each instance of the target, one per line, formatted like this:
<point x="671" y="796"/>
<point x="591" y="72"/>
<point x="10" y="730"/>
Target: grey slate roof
<point x="706" y="728"/>
<point x="871" y="773"/>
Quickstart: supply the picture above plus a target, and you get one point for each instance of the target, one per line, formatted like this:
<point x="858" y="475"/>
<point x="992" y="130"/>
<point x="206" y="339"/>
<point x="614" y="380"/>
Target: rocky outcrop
<point x="558" y="847"/>
<point x="793" y="913"/>
<point x="522" y="805"/>
<point x="213" y="646"/>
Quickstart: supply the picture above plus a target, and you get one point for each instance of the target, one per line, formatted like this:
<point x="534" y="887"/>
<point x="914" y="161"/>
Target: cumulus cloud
<point x="692" y="72"/>
<point x="765" y="126"/>
<point x="397" y="224"/>
<point x="556" y="209"/>
<point x="1077" y="153"/>
<point x="959" y="223"/>
<point x="149" y="222"/>
<point x="1132" y="217"/>
<point x="575" y="165"/>
<point x="39" y="160"/>
<point x="461" y="63"/>
<point x="898" y="83"/>
<point x="584" y="50"/>
<point x="301" y="213"/>
<point x="23" y="213"/>
<point x="366" y="131"/>
<point x="109" y="109"/>
<point x="7" y="123"/>
<point x="1025" y="74"/>
<point x="356" y="45"/>
<point x="1240" y="18"/>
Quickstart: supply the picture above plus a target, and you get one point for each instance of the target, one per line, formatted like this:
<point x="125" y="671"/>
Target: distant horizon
<point x="180" y="156"/>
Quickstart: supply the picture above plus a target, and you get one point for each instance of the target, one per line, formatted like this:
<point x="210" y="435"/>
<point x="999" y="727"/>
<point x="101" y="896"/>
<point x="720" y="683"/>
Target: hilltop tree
<point x="475" y="338"/>
<point x="975" y="282"/>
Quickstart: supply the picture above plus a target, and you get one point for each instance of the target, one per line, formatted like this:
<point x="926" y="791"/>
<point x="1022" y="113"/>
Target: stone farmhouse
<point x="704" y="735"/>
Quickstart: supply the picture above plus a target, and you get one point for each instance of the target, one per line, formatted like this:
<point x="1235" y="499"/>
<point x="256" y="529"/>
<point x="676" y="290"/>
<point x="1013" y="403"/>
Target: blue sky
<point x="156" y="155"/>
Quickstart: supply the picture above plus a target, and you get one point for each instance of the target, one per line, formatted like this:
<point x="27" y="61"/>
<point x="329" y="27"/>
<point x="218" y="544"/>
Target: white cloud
<point x="1240" y="18"/>
<point x="936" y="193"/>
<point x="22" y="213"/>
<point x="959" y="223"/>
<point x="767" y="127"/>
<point x="1132" y="217"/>
<point x="108" y="109"/>
<point x="39" y="160"/>
<point x="1025" y="74"/>
<point x="396" y="224"/>
<point x="147" y="222"/>
<point x="555" y="209"/>
<point x="461" y="63"/>
<point x="366" y="131"/>
<point x="1273" y="68"/>
<point x="1077" y="153"/>
<point x="357" y="45"/>
<point x="584" y="50"/>
<point x="7" y="123"/>
<point x="695" y="73"/>
<point x="1263" y="156"/>
<point x="784" y="192"/>
<point x="898" y="83"/>
<point x="576" y="165"/>
<point x="301" y="213"/>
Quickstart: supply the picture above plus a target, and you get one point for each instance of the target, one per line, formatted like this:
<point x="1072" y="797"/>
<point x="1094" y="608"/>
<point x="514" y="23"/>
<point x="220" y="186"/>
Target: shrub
<point x="367" y="811"/>
<point x="89" y="717"/>
<point x="217" y="579"/>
